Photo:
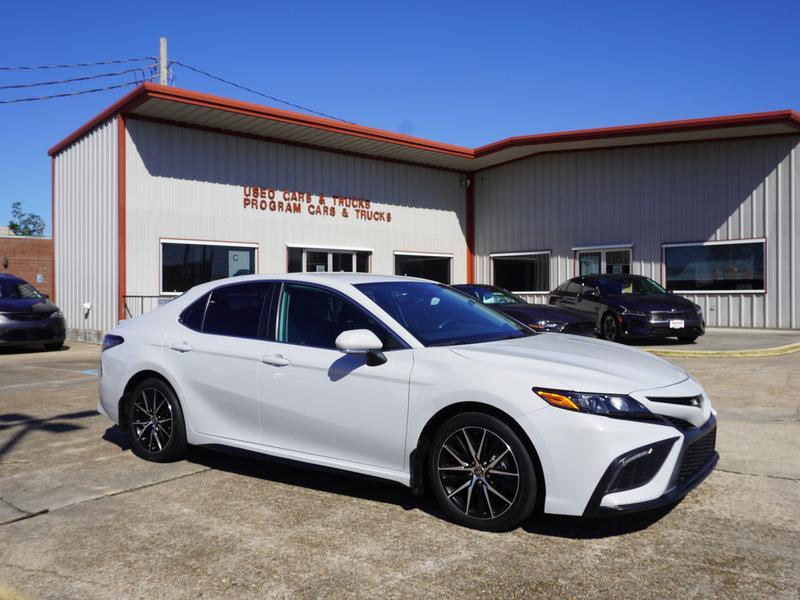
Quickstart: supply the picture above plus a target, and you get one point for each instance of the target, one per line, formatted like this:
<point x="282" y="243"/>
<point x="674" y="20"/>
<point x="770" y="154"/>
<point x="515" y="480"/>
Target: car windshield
<point x="17" y="289"/>
<point x="440" y="316"/>
<point x="492" y="295"/>
<point x="634" y="286"/>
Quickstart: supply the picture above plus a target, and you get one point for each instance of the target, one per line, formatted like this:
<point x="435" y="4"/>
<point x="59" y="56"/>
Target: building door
<point x="605" y="261"/>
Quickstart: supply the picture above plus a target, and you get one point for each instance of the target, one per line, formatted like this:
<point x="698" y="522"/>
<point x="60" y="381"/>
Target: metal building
<point x="168" y="188"/>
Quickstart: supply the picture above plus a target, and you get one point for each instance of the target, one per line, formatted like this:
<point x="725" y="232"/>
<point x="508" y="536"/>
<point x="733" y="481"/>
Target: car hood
<point x="577" y="363"/>
<point x="656" y="302"/>
<point x="26" y="305"/>
<point x="535" y="312"/>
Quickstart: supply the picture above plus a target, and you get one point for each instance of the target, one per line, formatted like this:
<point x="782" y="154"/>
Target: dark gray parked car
<point x="27" y="317"/>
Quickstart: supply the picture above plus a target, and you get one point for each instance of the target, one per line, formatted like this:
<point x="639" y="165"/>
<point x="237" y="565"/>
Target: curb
<point x="777" y="351"/>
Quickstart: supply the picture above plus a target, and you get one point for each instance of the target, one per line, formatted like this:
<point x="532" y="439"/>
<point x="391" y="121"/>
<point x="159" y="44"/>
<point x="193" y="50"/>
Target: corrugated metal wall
<point x="649" y="196"/>
<point x="85" y="232"/>
<point x="186" y="183"/>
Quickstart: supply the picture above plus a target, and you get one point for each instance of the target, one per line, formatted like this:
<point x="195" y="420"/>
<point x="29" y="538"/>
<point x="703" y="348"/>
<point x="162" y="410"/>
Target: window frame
<point x="264" y="318"/>
<point x="663" y="282"/>
<point x="494" y="255"/>
<point x="195" y="242"/>
<point x="448" y="255"/>
<point x="602" y="249"/>
<point x="305" y="248"/>
<point x="275" y="310"/>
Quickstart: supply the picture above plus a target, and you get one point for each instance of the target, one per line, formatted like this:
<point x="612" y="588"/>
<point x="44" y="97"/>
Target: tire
<point x="55" y="346"/>
<point x="156" y="429"/>
<point x="609" y="329"/>
<point x="687" y="339"/>
<point x="477" y="496"/>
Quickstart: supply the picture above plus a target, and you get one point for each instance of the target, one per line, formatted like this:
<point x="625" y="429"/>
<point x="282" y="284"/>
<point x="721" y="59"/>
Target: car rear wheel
<point x="609" y="330"/>
<point x="481" y="473"/>
<point x="156" y="428"/>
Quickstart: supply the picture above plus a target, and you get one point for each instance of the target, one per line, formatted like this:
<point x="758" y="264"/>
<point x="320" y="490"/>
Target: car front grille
<point x="666" y="316"/>
<point x="27" y="316"/>
<point x="679" y="424"/>
<point x="681" y="400"/>
<point x="697" y="455"/>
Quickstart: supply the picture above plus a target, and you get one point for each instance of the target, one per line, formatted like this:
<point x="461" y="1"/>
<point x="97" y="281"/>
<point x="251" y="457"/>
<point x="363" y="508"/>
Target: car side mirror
<point x="362" y="341"/>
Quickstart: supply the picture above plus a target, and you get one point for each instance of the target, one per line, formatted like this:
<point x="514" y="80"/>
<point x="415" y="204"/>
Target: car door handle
<point x="276" y="360"/>
<point x="180" y="347"/>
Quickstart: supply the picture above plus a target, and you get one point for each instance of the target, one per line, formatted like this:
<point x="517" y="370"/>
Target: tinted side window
<point x="235" y="310"/>
<point x="310" y="316"/>
<point x="573" y="287"/>
<point x="192" y="317"/>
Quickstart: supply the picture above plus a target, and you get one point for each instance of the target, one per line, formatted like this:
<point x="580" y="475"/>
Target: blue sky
<point x="464" y="72"/>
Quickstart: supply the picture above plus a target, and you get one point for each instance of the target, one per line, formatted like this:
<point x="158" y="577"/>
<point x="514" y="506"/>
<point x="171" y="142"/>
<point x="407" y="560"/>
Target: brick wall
<point x="27" y="258"/>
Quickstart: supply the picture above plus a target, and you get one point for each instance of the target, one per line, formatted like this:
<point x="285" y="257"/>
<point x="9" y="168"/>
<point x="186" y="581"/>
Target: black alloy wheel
<point x="481" y="473"/>
<point x="155" y="422"/>
<point x="609" y="330"/>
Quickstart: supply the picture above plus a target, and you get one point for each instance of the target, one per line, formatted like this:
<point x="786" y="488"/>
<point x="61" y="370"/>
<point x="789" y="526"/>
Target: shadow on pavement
<point x="585" y="528"/>
<point x="33" y="349"/>
<point x="25" y="424"/>
<point x="251" y="464"/>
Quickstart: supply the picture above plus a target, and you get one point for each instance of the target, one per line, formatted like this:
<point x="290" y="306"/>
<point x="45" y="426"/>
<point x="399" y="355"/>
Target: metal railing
<point x="136" y="306"/>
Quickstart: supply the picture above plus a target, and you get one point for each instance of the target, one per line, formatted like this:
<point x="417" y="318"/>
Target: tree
<point x="23" y="223"/>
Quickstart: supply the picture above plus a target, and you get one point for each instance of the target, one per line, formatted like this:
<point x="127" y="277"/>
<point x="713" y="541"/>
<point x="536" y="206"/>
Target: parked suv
<point x="27" y="317"/>
<point x="631" y="306"/>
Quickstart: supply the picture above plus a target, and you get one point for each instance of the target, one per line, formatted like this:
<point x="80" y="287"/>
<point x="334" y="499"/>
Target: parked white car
<point x="409" y="380"/>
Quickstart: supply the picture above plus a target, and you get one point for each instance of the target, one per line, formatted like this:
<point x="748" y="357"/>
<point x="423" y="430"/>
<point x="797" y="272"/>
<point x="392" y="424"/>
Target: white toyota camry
<point x="412" y="381"/>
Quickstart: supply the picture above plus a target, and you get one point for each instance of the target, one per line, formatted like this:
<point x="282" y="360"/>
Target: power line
<point x="85" y="78"/>
<point x="90" y="64"/>
<point x="66" y="94"/>
<point x="252" y="91"/>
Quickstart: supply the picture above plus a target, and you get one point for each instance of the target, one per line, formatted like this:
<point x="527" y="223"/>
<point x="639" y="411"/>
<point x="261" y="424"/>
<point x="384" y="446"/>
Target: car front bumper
<point x="695" y="462"/>
<point x="641" y="327"/>
<point x="581" y="455"/>
<point x="26" y="333"/>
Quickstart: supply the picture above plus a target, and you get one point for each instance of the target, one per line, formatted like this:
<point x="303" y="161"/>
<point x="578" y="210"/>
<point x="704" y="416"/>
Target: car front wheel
<point x="481" y="473"/>
<point x="609" y="330"/>
<point x="155" y="422"/>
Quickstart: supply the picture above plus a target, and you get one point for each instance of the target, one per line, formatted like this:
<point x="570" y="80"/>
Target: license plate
<point x="676" y="324"/>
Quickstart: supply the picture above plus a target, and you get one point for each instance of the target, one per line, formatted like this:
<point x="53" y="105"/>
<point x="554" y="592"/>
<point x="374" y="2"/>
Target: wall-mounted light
<point x="465" y="183"/>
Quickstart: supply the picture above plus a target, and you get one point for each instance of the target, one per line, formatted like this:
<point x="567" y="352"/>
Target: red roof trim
<point x="150" y="90"/>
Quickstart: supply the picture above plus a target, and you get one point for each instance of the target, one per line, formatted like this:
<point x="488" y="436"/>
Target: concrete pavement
<point x="85" y="518"/>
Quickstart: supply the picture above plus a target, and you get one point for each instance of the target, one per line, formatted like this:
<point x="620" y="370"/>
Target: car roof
<point x="612" y="276"/>
<point x="334" y="280"/>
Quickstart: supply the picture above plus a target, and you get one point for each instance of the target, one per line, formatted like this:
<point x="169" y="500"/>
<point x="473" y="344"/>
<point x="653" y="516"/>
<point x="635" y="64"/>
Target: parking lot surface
<point x="80" y="516"/>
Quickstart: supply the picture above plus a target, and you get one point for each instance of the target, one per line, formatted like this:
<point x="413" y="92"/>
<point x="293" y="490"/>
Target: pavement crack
<point x="795" y="479"/>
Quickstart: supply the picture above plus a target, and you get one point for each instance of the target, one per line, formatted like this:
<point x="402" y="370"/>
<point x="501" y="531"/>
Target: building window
<point x="715" y="266"/>
<point x="185" y="264"/>
<point x="522" y="272"/>
<point x="314" y="260"/>
<point x="595" y="261"/>
<point x="437" y="267"/>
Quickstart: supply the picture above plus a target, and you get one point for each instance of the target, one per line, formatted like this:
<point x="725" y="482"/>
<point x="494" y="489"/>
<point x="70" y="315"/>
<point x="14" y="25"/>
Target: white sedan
<point x="412" y="381"/>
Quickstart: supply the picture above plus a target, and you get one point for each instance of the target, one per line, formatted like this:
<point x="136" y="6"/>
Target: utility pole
<point x="162" y="62"/>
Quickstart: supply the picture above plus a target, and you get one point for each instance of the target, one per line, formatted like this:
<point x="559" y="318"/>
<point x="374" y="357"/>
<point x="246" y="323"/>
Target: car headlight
<point x="610" y="405"/>
<point x="635" y="313"/>
<point x="57" y="315"/>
